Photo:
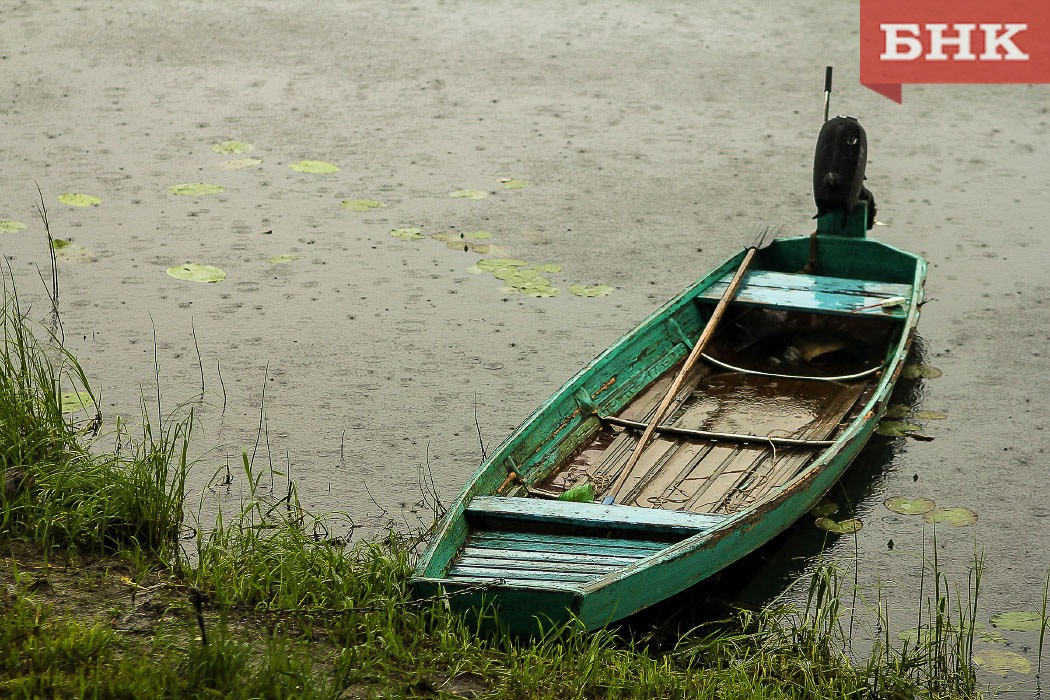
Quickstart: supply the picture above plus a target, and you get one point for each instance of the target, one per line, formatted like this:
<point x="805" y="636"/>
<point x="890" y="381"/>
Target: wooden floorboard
<point x="705" y="475"/>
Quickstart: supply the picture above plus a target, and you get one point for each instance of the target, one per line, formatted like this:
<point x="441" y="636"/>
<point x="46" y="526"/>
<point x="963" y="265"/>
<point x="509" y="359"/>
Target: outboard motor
<point x="838" y="168"/>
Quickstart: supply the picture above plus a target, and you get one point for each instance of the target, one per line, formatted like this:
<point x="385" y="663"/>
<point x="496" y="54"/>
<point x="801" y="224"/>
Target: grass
<point x="266" y="608"/>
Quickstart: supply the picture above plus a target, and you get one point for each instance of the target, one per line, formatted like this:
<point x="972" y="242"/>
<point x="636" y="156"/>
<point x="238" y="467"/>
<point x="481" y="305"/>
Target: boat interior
<point x="773" y="389"/>
<point x="790" y="365"/>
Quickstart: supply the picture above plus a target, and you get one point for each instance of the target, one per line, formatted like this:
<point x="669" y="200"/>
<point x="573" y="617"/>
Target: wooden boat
<point x="800" y="344"/>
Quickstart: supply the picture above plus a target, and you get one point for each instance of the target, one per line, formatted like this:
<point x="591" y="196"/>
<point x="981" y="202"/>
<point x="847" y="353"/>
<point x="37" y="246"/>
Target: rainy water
<point x="350" y="347"/>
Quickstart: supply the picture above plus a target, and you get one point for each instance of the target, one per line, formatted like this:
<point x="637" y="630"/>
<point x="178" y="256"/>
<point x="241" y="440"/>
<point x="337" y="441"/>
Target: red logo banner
<point x="953" y="41"/>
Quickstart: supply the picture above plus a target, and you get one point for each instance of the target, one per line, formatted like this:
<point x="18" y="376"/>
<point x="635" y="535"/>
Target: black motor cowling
<point x="838" y="168"/>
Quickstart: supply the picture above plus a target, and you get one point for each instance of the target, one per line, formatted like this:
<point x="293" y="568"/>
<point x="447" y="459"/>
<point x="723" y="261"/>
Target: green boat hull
<point x="539" y="562"/>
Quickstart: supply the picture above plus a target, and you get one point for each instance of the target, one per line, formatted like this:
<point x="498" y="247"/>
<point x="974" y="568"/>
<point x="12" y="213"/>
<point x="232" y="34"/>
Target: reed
<point x="57" y="492"/>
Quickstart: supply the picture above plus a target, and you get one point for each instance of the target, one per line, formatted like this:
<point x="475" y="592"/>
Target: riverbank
<point x="107" y="591"/>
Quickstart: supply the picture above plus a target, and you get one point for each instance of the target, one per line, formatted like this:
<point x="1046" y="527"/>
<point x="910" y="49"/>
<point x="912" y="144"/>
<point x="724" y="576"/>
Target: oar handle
<point x="669" y="397"/>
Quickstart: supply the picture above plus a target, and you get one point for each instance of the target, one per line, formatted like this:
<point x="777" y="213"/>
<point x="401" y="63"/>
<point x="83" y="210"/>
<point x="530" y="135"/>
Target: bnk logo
<point x="953" y="41"/>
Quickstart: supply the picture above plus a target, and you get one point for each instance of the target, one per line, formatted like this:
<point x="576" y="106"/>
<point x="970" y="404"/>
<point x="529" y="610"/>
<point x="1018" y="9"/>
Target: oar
<point x="694" y="355"/>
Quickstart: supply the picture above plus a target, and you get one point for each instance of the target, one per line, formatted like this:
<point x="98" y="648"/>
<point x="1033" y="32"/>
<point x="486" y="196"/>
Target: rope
<point x="841" y="378"/>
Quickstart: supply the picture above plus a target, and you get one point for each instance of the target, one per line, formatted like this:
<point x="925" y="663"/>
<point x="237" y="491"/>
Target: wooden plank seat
<point x="562" y="543"/>
<point x="833" y="295"/>
<point x="591" y="515"/>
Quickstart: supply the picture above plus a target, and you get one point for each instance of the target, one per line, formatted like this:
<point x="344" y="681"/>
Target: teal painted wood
<point x="563" y="543"/>
<point x="606" y="385"/>
<point x="593" y="515"/>
<point x="487" y="556"/>
<point x="832" y="295"/>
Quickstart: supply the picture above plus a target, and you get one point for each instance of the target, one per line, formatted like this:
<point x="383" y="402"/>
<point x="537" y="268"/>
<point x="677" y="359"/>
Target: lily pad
<point x="893" y="428"/>
<point x="1018" y="621"/>
<point x="897" y="411"/>
<point x="469" y="194"/>
<point x="76" y="199"/>
<point x="956" y="517"/>
<point x="824" y="508"/>
<point x="839" y="527"/>
<point x="196" y="189"/>
<point x="537" y="289"/>
<point x="909" y="506"/>
<point x="287" y="257"/>
<point x="1001" y="661"/>
<point x="597" y="290"/>
<point x="917" y="371"/>
<point x="361" y="204"/>
<point x="547" y="267"/>
<point x="228" y="147"/>
<point x="315" y="167"/>
<point x="407" y="233"/>
<point x="542" y="292"/>
<point x="195" y="272"/>
<point x="73" y="401"/>
<point x="930" y="415"/>
<point x="11" y="226"/>
<point x="241" y="163"/>
<point x="513" y="183"/>
<point x="71" y="252"/>
<point x="494" y="264"/>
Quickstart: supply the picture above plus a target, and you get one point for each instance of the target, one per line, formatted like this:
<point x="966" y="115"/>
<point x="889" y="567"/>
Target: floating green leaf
<point x="71" y="252"/>
<point x="494" y="264"/>
<point x="930" y="415"/>
<point x="897" y="411"/>
<point x="909" y="506"/>
<point x="287" y="257"/>
<point x="547" y="267"/>
<point x="314" y="167"/>
<point x="73" y="401"/>
<point x="76" y="199"/>
<point x="514" y="273"/>
<point x="194" y="272"/>
<point x="916" y="371"/>
<point x="11" y="226"/>
<point x="1018" y="621"/>
<point x="241" y="164"/>
<point x="1001" y="661"/>
<point x="824" y="508"/>
<point x="512" y="183"/>
<point x="469" y="194"/>
<point x="839" y="527"/>
<point x="893" y="428"/>
<point x="408" y="233"/>
<point x="541" y="291"/>
<point x="196" y="189"/>
<point x="361" y="204"/>
<point x="956" y="517"/>
<point x="227" y="147"/>
<point x="537" y="289"/>
<point x="598" y="290"/>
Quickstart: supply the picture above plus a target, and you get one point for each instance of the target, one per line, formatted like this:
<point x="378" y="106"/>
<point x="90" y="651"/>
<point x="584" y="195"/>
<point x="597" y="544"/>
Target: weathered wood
<point x="593" y="515"/>
<point x="725" y="437"/>
<point x="832" y="295"/>
<point x="687" y="366"/>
